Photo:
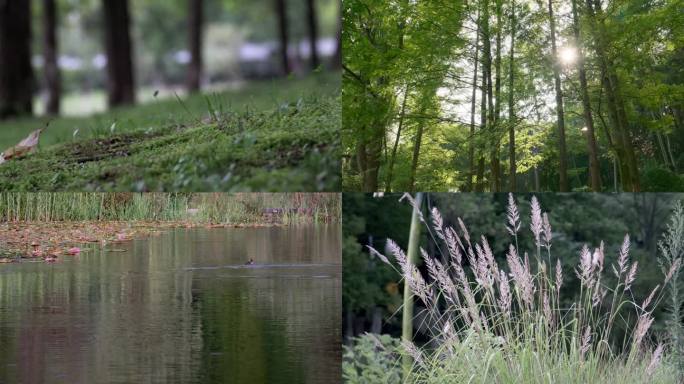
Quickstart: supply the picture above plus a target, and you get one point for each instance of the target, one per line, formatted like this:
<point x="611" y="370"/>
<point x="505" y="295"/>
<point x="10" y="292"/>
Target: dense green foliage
<point x="432" y="95"/>
<point x="272" y="136"/>
<point x="159" y="32"/>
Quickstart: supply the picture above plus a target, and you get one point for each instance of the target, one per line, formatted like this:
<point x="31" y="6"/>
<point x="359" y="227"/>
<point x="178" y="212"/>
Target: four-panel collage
<point x="342" y="191"/>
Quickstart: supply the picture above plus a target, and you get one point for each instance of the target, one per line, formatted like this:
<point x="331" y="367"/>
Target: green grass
<point x="270" y="136"/>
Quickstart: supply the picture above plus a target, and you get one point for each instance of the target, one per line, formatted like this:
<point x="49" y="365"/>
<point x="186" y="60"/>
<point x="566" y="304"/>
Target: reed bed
<point x="508" y="323"/>
<point x="214" y="208"/>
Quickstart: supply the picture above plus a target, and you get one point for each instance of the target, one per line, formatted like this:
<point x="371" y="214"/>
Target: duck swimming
<point x="250" y="262"/>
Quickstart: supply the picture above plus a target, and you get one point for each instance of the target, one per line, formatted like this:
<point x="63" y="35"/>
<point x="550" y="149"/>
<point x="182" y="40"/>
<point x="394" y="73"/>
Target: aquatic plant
<point x="194" y="207"/>
<point x="508" y="322"/>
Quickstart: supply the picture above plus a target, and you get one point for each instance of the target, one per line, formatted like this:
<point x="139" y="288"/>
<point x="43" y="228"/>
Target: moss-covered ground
<point x="272" y="136"/>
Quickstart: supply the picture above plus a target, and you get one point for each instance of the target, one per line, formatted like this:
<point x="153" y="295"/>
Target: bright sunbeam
<point x="567" y="55"/>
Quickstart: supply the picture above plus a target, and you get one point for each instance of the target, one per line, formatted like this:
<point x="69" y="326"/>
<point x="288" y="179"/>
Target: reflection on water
<point x="179" y="308"/>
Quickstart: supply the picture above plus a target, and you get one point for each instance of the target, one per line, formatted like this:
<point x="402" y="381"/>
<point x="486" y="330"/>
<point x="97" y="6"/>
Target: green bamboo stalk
<point x="412" y="258"/>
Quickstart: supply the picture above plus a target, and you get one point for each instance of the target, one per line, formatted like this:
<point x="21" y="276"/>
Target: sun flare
<point x="567" y="55"/>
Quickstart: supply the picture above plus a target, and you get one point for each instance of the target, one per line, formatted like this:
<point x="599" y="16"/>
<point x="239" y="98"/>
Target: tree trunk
<point x="368" y="154"/>
<point x="623" y="142"/>
<point x="563" y="185"/>
<point x="120" y="85"/>
<point x="281" y="12"/>
<point x="312" y="22"/>
<point x="473" y="103"/>
<point x="411" y="258"/>
<point x="195" y="23"/>
<point x="594" y="170"/>
<point x="491" y="121"/>
<point x="337" y="57"/>
<point x="52" y="75"/>
<point x="16" y="73"/>
<point x="390" y="169"/>
<point x="479" y="186"/>
<point x="496" y="140"/>
<point x="511" y="107"/>
<point x="416" y="153"/>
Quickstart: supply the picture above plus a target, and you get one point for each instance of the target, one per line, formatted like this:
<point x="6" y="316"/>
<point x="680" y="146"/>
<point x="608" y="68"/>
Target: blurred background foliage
<point x="240" y="42"/>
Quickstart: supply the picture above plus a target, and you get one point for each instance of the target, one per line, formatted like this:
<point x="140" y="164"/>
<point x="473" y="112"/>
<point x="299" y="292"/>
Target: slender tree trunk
<point x="390" y="170"/>
<point x="594" y="170"/>
<point x="496" y="140"/>
<point x="416" y="152"/>
<point x="511" y="107"/>
<point x="411" y="258"/>
<point x="195" y="23"/>
<point x="281" y="12"/>
<point x="312" y="21"/>
<point x="497" y="62"/>
<point x="663" y="152"/>
<point x="563" y="185"/>
<point x="52" y="75"/>
<point x="669" y="152"/>
<point x="16" y="73"/>
<point x="337" y="57"/>
<point x="473" y="103"/>
<point x="491" y="123"/>
<point x="368" y="154"/>
<point x="623" y="141"/>
<point x="120" y="85"/>
<point x="479" y="186"/>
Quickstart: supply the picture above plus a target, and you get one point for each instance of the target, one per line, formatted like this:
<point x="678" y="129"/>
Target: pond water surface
<point x="180" y="307"/>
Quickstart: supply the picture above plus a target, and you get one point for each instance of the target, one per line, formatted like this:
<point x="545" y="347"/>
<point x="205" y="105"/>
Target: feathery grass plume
<point x="671" y="248"/>
<point x="655" y="360"/>
<point x="505" y="295"/>
<point x="379" y="255"/>
<point x="548" y="235"/>
<point x="513" y="216"/>
<point x="586" y="342"/>
<point x="631" y="276"/>
<point x="487" y="321"/>
<point x="586" y="267"/>
<point x="536" y="225"/>
<point x="437" y="223"/>
<point x="648" y="299"/>
<point x="643" y="325"/>
<point x="559" y="276"/>
<point x="623" y="258"/>
<point x="413" y="351"/>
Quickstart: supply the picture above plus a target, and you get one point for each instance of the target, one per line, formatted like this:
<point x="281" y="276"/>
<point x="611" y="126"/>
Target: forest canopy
<point x="513" y="95"/>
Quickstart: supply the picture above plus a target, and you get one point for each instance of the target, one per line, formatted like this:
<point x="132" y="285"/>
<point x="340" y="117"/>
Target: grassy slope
<point x="274" y="136"/>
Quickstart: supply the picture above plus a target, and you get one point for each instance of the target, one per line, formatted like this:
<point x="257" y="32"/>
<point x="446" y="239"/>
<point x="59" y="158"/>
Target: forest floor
<point x="278" y="135"/>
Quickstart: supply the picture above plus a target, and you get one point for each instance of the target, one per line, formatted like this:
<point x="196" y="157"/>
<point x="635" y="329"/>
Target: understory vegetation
<point x="273" y="136"/>
<point x="510" y="322"/>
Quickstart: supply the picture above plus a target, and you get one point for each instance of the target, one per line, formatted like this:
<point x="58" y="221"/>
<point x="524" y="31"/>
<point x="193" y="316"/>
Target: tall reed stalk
<point x="220" y="208"/>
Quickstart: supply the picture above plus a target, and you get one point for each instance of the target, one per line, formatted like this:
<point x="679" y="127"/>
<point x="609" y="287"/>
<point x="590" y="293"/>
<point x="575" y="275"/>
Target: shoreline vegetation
<point x="46" y="226"/>
<point x="508" y="320"/>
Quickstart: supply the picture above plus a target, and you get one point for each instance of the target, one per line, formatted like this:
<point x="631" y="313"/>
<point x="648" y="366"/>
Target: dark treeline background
<point x="372" y="291"/>
<point x="50" y="48"/>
